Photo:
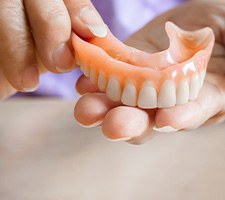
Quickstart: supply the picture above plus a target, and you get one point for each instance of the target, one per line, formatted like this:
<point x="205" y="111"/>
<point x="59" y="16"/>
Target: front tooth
<point x="167" y="95"/>
<point x="202" y="77"/>
<point x="147" y="96"/>
<point x="129" y="96"/>
<point x="101" y="82"/>
<point x="93" y="76"/>
<point x="194" y="87"/>
<point x="183" y="92"/>
<point x="85" y="70"/>
<point x="113" y="89"/>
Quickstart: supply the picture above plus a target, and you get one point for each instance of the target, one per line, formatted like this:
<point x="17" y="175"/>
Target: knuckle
<point x="10" y="5"/>
<point x="16" y="57"/>
<point x="56" y="24"/>
<point x="76" y="5"/>
<point x="22" y="46"/>
<point x="16" y="35"/>
<point x="55" y="18"/>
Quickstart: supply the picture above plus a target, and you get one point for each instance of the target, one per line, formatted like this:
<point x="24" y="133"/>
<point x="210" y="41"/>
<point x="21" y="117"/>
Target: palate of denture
<point x="136" y="78"/>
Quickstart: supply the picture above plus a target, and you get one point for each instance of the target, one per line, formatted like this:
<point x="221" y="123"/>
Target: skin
<point x="136" y="125"/>
<point x="36" y="37"/>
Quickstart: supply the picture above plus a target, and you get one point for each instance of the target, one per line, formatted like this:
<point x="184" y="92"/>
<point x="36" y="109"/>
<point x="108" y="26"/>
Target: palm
<point x="120" y="121"/>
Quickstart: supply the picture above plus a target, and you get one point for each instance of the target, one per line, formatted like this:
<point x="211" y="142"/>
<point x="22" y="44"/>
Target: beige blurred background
<point x="45" y="155"/>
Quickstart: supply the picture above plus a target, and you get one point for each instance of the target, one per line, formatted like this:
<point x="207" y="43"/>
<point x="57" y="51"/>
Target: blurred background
<point x="45" y="155"/>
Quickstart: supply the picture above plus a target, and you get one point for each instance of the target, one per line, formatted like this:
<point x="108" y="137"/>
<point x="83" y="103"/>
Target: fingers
<point x="91" y="109"/>
<point x="84" y="85"/>
<point x="128" y="124"/>
<point x="17" y="58"/>
<point x="86" y="22"/>
<point x="35" y="32"/>
<point x="51" y="29"/>
<point x="118" y="123"/>
<point x="194" y="113"/>
<point x="5" y="88"/>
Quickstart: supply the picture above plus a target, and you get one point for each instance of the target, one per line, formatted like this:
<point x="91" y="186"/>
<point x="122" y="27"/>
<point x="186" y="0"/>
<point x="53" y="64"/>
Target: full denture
<point x="137" y="78"/>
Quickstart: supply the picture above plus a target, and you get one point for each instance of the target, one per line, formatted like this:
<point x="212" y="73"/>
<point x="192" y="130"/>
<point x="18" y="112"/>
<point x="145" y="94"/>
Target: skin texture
<point x="209" y="107"/>
<point x="37" y="37"/>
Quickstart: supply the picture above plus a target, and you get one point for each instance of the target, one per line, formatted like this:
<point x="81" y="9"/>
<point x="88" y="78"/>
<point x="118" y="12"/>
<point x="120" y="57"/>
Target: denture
<point x="136" y="78"/>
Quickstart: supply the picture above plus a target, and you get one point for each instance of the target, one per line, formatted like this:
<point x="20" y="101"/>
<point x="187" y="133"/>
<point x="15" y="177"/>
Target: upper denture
<point x="137" y="78"/>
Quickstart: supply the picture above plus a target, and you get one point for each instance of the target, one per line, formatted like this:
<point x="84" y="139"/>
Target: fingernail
<point x="165" y="129"/>
<point x="32" y="89"/>
<point x="119" y="139"/>
<point x="94" y="22"/>
<point x="64" y="70"/>
<point x="91" y="125"/>
<point x="63" y="58"/>
<point x="30" y="79"/>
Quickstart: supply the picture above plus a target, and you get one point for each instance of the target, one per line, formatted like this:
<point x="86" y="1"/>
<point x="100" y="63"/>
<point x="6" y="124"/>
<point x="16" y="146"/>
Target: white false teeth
<point x="167" y="95"/>
<point x="182" y="92"/>
<point x="194" y="87"/>
<point x="202" y="77"/>
<point x="85" y="70"/>
<point x="102" y="82"/>
<point x="147" y="96"/>
<point x="113" y="89"/>
<point x="129" y="96"/>
<point x="93" y="76"/>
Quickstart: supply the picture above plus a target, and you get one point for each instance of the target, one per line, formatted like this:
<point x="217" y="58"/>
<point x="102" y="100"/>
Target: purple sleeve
<point x="123" y="18"/>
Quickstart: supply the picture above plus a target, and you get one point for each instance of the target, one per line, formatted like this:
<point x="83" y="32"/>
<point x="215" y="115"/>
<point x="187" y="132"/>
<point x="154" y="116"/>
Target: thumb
<point x="86" y="21"/>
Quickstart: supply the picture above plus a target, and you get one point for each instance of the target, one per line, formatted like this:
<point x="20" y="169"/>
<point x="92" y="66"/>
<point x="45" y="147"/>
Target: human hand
<point x="134" y="124"/>
<point x="36" y="36"/>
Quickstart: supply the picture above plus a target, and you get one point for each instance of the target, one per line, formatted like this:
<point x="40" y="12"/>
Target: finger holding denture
<point x="119" y="123"/>
<point x="91" y="109"/>
<point x="136" y="78"/>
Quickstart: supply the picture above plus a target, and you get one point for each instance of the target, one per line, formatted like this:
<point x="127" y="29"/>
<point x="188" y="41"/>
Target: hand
<point x="134" y="124"/>
<point x="35" y="37"/>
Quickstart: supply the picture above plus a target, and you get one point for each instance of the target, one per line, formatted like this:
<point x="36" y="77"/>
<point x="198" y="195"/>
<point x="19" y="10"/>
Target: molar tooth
<point x="85" y="70"/>
<point x="102" y="82"/>
<point x="93" y="76"/>
<point x="77" y="59"/>
<point x="183" y="92"/>
<point x="78" y="63"/>
<point x="167" y="95"/>
<point x="194" y="87"/>
<point x="129" y="96"/>
<point x="147" y="96"/>
<point x="202" y="77"/>
<point x="113" y="89"/>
